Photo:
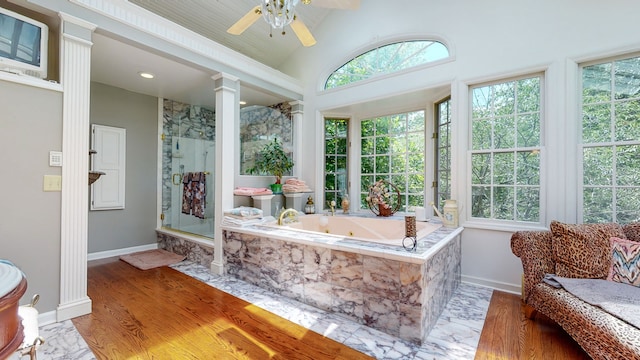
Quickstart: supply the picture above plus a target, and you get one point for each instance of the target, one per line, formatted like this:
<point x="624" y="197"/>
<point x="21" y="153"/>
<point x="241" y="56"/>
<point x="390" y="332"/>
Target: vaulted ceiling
<point x="212" y="18"/>
<point x="116" y="63"/>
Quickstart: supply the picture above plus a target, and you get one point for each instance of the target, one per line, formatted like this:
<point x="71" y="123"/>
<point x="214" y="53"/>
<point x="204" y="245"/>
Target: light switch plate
<point x="52" y="183"/>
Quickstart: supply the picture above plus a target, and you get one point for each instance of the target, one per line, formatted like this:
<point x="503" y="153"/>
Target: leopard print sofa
<point x="601" y="335"/>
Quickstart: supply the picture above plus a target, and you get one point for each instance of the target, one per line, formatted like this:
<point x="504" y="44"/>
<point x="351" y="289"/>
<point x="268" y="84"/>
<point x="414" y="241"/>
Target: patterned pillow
<point x="632" y="231"/>
<point x="625" y="263"/>
<point x="583" y="250"/>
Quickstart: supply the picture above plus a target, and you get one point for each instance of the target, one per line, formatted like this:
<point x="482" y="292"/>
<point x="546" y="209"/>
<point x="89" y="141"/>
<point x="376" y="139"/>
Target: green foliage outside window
<point x="335" y="160"/>
<point x="392" y="149"/>
<point x="611" y="141"/>
<point x="387" y="59"/>
<point x="505" y="159"/>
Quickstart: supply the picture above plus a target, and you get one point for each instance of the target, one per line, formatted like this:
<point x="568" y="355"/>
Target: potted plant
<point x="272" y="159"/>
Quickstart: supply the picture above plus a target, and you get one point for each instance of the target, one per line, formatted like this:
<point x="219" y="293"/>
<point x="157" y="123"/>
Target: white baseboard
<point x="497" y="285"/>
<point x="47" y="318"/>
<point x="73" y="309"/>
<point x="118" y="252"/>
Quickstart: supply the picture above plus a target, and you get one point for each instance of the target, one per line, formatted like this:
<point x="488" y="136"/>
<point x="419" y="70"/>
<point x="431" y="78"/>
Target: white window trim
<point x="498" y="224"/>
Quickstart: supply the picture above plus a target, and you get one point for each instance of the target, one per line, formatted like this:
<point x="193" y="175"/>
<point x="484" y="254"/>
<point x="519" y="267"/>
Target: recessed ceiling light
<point x="146" y="75"/>
<point x="243" y="102"/>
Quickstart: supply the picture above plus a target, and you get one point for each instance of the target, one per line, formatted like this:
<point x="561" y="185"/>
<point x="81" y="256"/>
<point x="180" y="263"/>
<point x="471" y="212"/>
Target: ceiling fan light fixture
<point x="278" y="13"/>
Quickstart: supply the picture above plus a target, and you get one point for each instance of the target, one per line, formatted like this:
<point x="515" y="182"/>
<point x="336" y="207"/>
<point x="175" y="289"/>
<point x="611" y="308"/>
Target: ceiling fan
<point x="280" y="13"/>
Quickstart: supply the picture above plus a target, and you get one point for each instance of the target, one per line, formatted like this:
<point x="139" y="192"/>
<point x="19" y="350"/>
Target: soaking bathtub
<point x="378" y="230"/>
<point x="352" y="266"/>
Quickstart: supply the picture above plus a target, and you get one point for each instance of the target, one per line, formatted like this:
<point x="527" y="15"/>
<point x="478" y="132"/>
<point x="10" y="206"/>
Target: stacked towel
<point x="244" y="213"/>
<point x="249" y="191"/>
<point x="231" y="221"/>
<point x="295" y="186"/>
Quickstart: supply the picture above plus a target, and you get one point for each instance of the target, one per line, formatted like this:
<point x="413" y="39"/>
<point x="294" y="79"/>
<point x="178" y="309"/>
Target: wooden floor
<point x="164" y="314"/>
<point x="508" y="334"/>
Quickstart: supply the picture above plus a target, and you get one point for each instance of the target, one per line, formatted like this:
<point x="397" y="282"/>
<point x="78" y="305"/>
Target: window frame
<point x="437" y="145"/>
<point x="322" y="85"/>
<point x="492" y="222"/>
<point x="348" y="121"/>
<point x="610" y="143"/>
<point x="406" y="194"/>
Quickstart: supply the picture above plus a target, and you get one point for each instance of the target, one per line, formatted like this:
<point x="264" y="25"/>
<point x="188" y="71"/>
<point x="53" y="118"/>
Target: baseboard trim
<point x="74" y="309"/>
<point x="496" y="285"/>
<point x="118" y="252"/>
<point x="47" y="318"/>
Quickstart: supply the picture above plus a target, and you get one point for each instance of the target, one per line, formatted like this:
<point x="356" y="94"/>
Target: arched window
<point x="387" y="59"/>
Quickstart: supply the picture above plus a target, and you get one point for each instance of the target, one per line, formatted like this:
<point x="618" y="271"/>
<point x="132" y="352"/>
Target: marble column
<point x="75" y="78"/>
<point x="227" y="118"/>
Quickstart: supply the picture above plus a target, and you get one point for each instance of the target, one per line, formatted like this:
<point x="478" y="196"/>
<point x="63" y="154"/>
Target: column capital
<point x="75" y="27"/>
<point x="225" y="81"/>
<point x="297" y="106"/>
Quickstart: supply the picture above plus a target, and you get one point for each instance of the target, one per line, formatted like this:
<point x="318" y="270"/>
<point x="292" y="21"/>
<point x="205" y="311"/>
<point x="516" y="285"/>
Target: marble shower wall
<point x="400" y="298"/>
<point x="261" y="124"/>
<point x="184" y="121"/>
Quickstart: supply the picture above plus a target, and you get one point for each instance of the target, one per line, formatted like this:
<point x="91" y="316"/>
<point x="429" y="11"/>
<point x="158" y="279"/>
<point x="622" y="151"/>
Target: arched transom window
<point x="387" y="59"/>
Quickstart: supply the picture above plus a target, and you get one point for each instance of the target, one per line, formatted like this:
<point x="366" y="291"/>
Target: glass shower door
<point x="188" y="166"/>
<point x="192" y="192"/>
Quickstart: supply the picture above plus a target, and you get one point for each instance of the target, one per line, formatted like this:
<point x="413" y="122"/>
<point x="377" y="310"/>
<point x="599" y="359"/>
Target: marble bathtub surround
<point x="384" y="287"/>
<point x="200" y="252"/>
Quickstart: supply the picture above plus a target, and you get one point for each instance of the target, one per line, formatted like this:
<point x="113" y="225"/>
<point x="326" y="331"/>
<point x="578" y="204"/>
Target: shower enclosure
<point x="188" y="165"/>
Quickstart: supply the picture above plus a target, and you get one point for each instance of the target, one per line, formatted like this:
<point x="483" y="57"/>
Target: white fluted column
<point x="75" y="78"/>
<point x="227" y="118"/>
<point x="297" y="114"/>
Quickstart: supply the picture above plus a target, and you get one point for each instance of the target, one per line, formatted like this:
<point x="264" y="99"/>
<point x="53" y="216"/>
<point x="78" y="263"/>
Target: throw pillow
<point x="625" y="263"/>
<point x="583" y="250"/>
<point x="632" y="231"/>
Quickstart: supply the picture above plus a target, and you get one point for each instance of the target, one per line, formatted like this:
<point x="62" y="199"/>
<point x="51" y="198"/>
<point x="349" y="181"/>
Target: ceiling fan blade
<point x="337" y="4"/>
<point x="303" y="33"/>
<point x="243" y="24"/>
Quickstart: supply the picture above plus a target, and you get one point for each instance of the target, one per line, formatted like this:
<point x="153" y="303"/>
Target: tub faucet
<point x="290" y="211"/>
<point x="332" y="205"/>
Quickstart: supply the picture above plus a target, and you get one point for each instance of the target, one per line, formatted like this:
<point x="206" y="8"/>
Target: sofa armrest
<point x="534" y="250"/>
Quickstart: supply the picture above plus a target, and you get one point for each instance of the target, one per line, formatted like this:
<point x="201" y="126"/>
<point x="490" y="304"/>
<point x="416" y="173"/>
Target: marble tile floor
<point x="455" y="335"/>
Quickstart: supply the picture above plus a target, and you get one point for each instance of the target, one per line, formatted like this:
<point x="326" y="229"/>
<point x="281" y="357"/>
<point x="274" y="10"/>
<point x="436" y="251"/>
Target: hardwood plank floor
<point x="164" y="314"/>
<point x="508" y="334"/>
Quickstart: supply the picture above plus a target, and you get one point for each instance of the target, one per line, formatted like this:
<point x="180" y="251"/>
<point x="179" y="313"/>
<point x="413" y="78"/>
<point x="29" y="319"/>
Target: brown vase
<point x="384" y="211"/>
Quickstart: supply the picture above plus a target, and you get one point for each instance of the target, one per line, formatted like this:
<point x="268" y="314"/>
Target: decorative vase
<point x="276" y="188"/>
<point x="345" y="203"/>
<point x="385" y="211"/>
<point x="384" y="193"/>
<point x="450" y="213"/>
<point x="309" y="208"/>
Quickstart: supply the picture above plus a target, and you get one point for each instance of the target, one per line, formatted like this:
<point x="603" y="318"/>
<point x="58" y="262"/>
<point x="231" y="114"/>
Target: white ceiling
<point x="117" y="63"/>
<point x="212" y="18"/>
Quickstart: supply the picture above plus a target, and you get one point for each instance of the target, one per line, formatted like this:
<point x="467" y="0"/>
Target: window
<point x="443" y="152"/>
<point x="611" y="141"/>
<point x="387" y="59"/>
<point x="392" y="148"/>
<point x="335" y="160"/>
<point x="505" y="155"/>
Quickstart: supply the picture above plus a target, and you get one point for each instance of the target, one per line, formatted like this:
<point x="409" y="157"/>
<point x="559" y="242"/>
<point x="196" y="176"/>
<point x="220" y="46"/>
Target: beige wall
<point x="135" y="224"/>
<point x="30" y="127"/>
